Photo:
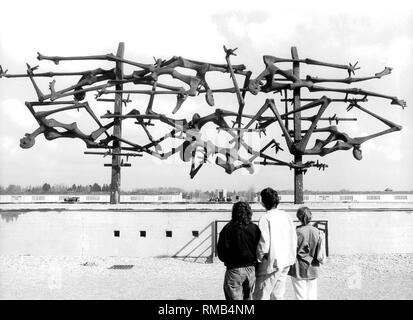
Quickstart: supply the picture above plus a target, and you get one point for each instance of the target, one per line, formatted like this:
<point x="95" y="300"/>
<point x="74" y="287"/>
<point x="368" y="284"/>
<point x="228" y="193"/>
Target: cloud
<point x="238" y="26"/>
<point x="391" y="151"/>
<point x="14" y="110"/>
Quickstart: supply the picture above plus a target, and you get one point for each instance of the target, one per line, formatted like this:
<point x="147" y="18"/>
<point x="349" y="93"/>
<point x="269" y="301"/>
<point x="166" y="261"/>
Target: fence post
<point x="214" y="240"/>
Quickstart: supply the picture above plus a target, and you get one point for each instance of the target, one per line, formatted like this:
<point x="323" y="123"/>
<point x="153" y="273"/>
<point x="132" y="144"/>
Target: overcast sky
<point x="375" y="33"/>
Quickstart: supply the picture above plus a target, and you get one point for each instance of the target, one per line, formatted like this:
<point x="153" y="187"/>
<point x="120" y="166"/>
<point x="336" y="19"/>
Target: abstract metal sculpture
<point x="193" y="147"/>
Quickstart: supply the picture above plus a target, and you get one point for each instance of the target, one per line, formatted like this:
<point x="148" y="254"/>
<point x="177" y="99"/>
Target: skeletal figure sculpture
<point x="189" y="131"/>
<point x="150" y="73"/>
<point x="49" y="126"/>
<point x="191" y="146"/>
<point x="273" y="85"/>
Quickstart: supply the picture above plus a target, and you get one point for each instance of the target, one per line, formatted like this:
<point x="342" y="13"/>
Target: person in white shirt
<point x="276" y="250"/>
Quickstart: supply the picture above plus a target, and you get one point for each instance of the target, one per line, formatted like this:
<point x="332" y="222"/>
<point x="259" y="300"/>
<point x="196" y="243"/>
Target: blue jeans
<point x="239" y="283"/>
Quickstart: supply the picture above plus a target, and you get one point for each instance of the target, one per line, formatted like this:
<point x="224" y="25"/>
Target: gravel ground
<point x="381" y="276"/>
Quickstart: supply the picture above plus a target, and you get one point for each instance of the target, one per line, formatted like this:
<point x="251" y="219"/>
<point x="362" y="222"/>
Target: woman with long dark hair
<point x="236" y="248"/>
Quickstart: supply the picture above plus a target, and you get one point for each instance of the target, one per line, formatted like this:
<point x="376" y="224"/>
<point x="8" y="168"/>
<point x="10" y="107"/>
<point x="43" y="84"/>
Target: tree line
<point x="205" y="195"/>
<point x="96" y="188"/>
<point x="47" y="188"/>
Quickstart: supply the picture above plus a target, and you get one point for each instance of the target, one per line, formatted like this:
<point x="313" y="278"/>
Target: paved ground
<point x="34" y="277"/>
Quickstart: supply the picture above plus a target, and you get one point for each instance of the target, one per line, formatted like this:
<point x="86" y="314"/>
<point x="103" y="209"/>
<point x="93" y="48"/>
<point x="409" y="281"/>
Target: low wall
<point x="143" y="232"/>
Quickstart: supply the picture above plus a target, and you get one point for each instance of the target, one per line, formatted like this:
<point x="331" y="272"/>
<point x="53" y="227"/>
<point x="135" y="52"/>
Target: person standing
<point x="304" y="272"/>
<point x="236" y="247"/>
<point x="276" y="250"/>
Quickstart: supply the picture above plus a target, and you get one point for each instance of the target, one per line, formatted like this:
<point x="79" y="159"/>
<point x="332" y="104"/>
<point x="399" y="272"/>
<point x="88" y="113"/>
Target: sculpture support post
<point x="117" y="132"/>
<point x="298" y="159"/>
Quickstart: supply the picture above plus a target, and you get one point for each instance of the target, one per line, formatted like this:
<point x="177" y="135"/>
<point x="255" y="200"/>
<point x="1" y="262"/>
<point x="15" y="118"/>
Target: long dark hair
<point x="241" y="214"/>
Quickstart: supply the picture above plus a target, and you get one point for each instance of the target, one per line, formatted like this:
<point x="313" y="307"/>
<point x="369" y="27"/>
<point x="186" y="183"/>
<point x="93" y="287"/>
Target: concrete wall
<point x="88" y="233"/>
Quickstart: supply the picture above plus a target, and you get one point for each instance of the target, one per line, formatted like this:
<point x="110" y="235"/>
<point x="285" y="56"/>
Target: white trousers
<point x="271" y="286"/>
<point x="305" y="289"/>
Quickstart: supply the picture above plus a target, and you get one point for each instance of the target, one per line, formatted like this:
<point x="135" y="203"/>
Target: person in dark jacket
<point x="236" y="247"/>
<point x="304" y="272"/>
